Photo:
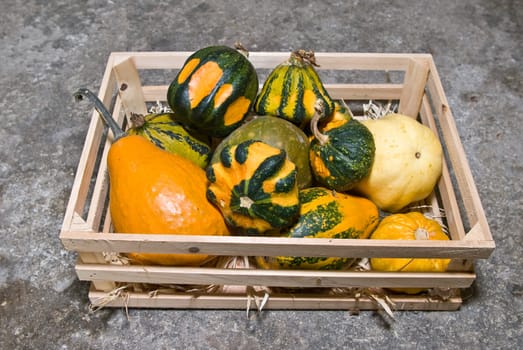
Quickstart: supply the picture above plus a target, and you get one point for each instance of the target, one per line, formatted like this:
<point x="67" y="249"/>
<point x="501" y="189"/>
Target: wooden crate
<point x="419" y="93"/>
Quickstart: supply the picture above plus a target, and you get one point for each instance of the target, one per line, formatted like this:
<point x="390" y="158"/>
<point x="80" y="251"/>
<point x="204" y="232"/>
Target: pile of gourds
<point x="285" y="161"/>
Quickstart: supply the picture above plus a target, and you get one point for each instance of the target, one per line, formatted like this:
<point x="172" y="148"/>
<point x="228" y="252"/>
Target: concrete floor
<point x="49" y="49"/>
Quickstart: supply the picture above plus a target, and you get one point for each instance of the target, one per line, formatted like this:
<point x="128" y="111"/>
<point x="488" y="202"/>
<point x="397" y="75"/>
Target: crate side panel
<point x="466" y="184"/>
<point x="86" y="165"/>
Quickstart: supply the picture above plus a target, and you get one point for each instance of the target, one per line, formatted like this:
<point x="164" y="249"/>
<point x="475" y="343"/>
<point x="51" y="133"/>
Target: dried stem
<point x="305" y="56"/>
<point x="319" y="113"/>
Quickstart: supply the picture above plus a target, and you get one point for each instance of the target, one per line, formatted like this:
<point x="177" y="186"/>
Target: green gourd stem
<point x="100" y="108"/>
<point x="319" y="111"/>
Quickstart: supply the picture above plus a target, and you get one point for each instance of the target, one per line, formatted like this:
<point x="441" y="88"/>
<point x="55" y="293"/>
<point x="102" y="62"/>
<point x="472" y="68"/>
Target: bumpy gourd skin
<point x="254" y="185"/>
<point x="344" y="158"/>
<point x="326" y="214"/>
<point x="153" y="191"/>
<point x="409" y="226"/>
<point x="279" y="133"/>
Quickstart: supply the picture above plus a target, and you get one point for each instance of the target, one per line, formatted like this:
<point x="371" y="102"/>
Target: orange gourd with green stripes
<point x="214" y="90"/>
<point x="292" y="89"/>
<point x="254" y="185"/>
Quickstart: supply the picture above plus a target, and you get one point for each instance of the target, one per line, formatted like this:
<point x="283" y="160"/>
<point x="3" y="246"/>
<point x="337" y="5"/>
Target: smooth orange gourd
<point x="153" y="191"/>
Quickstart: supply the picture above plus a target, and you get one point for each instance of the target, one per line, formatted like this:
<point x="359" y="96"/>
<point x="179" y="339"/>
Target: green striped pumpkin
<point x="163" y="131"/>
<point x="292" y="90"/>
<point x="326" y="214"/>
<point x="254" y="185"/>
<point x="214" y="90"/>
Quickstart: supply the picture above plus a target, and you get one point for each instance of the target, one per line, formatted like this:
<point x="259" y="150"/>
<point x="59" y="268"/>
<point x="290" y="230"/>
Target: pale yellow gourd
<point x="407" y="164"/>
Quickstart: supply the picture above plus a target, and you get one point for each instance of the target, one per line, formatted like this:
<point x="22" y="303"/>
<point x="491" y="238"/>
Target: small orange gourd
<point x="153" y="191"/>
<point x="409" y="226"/>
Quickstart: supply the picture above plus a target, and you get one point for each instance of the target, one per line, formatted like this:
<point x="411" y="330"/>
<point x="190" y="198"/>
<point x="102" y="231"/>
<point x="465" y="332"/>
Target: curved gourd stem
<point x="100" y="108"/>
<point x="319" y="113"/>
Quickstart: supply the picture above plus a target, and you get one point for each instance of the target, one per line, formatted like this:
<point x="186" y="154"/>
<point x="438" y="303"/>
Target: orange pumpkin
<point x="152" y="191"/>
<point x="409" y="226"/>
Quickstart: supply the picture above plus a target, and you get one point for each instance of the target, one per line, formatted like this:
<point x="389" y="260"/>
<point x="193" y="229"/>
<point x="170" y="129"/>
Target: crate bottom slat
<point x="276" y="301"/>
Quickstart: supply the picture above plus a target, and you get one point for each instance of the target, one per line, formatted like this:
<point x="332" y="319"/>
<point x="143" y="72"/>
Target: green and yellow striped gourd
<point x="292" y="89"/>
<point x="163" y="131"/>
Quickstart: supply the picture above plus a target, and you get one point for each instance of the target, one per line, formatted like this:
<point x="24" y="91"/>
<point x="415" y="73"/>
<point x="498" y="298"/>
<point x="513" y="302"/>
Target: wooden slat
<point x="367" y="61"/>
<point x="273" y="246"/>
<point x="130" y="87"/>
<point x="154" y="60"/>
<point x="413" y="89"/>
<point x="97" y="258"/>
<point x="101" y="187"/>
<point x="365" y="91"/>
<point x="271" y="278"/>
<point x="276" y="301"/>
<point x="153" y="93"/>
<point x="445" y="186"/>
<point x="269" y="60"/>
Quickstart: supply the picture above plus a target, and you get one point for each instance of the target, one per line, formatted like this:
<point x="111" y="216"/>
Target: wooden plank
<point x="366" y="61"/>
<point x="413" y="89"/>
<point x="101" y="187"/>
<point x="269" y="60"/>
<point x="153" y="93"/>
<point x="365" y="91"/>
<point x="445" y="186"/>
<point x="130" y="87"/>
<point x="97" y="258"/>
<point x="272" y="278"/>
<point x="276" y="301"/>
<point x="273" y="246"/>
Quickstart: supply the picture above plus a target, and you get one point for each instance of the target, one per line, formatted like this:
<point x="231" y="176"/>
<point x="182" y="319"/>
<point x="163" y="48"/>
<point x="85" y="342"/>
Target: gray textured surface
<point x="48" y="49"/>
